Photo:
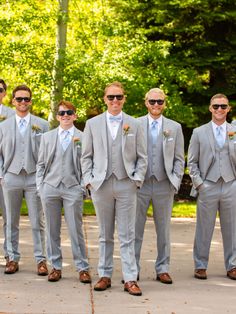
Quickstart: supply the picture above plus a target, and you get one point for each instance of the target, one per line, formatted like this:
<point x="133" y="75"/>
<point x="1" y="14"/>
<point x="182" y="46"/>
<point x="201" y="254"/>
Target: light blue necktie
<point x="115" y="118"/>
<point x="65" y="139"/>
<point x="22" y="125"/>
<point x="154" y="129"/>
<point x="219" y="137"/>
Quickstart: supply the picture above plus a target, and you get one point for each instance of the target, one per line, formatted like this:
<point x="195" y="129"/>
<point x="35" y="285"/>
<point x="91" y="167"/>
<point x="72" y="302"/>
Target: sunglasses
<point x="158" y="101"/>
<point x="25" y="99"/>
<point x="112" y="97"/>
<point x="2" y="90"/>
<point x="69" y="112"/>
<point x="222" y="106"/>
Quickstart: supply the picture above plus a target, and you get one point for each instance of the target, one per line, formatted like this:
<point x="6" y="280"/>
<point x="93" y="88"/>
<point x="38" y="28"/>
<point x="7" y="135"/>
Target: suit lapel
<point x="230" y="128"/>
<point x="75" y="147"/>
<point x="210" y="134"/>
<point x="104" y="130"/>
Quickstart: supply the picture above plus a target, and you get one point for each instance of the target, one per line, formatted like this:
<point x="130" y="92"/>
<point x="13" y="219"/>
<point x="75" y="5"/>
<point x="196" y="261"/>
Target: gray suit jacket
<point x="173" y="149"/>
<point x="201" y="153"/>
<point x="7" y="139"/>
<point x="95" y="155"/>
<point x="7" y="112"/>
<point x="47" y="151"/>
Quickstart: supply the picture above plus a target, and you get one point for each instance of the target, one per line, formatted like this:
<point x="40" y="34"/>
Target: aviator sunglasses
<point x="217" y="106"/>
<point x="25" y="99"/>
<point x="63" y="112"/>
<point x="112" y="97"/>
<point x="158" y="101"/>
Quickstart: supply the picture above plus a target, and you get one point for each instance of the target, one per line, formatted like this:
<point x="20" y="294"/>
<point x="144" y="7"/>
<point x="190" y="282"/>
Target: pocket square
<point x="170" y="139"/>
<point x="130" y="134"/>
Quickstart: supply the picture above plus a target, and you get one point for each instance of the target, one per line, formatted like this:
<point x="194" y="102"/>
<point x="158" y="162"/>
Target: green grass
<point x="180" y="209"/>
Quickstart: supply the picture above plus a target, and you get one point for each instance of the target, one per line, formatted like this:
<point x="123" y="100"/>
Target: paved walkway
<point x="25" y="292"/>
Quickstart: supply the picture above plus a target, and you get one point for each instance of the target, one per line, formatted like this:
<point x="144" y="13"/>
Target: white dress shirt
<point x="113" y="126"/>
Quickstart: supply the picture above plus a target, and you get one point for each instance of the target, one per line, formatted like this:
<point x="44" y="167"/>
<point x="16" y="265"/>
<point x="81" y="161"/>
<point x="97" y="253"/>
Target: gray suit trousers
<point x="213" y="197"/>
<point x="3" y="208"/>
<point x="161" y="194"/>
<point x="116" y="200"/>
<point x="15" y="188"/>
<point x="71" y="199"/>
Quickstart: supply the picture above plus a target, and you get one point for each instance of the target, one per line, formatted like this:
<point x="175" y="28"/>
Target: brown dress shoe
<point x="102" y="284"/>
<point x="54" y="275"/>
<point x="200" y="274"/>
<point x="11" y="267"/>
<point x="84" y="276"/>
<point x="232" y="273"/>
<point x="164" y="278"/>
<point x="133" y="288"/>
<point x="42" y="268"/>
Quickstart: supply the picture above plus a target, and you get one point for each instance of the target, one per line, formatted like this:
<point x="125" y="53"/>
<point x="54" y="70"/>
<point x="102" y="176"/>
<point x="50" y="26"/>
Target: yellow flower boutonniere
<point x="2" y="118"/>
<point x="77" y="141"/>
<point x="166" y="133"/>
<point x="35" y="128"/>
<point x="126" y="128"/>
<point x="231" y="134"/>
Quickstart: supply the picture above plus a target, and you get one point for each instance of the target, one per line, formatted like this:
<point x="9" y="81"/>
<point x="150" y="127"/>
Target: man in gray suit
<point x="212" y="167"/>
<point x="165" y="146"/>
<point x="19" y="143"/>
<point x="59" y="182"/>
<point x="5" y="112"/>
<point x="114" y="163"/>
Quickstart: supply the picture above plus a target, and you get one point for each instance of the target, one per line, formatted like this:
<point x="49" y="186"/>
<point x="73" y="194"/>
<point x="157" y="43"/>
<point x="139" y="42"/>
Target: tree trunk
<point x="59" y="61"/>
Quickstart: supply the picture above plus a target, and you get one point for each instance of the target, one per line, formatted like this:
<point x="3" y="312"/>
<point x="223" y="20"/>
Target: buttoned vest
<point x="115" y="158"/>
<point x="62" y="168"/>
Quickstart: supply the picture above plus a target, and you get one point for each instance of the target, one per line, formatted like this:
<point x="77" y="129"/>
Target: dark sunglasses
<point x="63" y="112"/>
<point x="112" y="97"/>
<point x="158" y="101"/>
<point x="2" y="90"/>
<point x="20" y="99"/>
<point x="217" y="106"/>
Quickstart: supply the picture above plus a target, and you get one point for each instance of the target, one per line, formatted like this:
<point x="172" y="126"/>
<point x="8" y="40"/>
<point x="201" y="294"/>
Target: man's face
<point x="66" y="117"/>
<point x="2" y="92"/>
<point x="22" y="102"/>
<point x="218" y="113"/>
<point x="114" y="105"/>
<point x="155" y="104"/>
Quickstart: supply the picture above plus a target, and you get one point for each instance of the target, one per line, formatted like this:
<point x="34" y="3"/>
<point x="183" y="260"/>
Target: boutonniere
<point x="231" y="134"/>
<point x="36" y="128"/>
<point x="2" y="118"/>
<point x="77" y="141"/>
<point x="166" y="133"/>
<point x="126" y="128"/>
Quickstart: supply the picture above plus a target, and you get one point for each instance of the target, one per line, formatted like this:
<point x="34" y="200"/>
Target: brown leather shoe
<point x="200" y="274"/>
<point x="133" y="288"/>
<point x="232" y="273"/>
<point x="102" y="284"/>
<point x="54" y="275"/>
<point x="84" y="276"/>
<point x="11" y="267"/>
<point x="42" y="268"/>
<point x="164" y="278"/>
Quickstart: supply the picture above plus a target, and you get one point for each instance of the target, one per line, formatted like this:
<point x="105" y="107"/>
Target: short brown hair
<point x="21" y="87"/>
<point x="116" y="84"/>
<point x="66" y="104"/>
<point x="3" y="84"/>
<point x="219" y="96"/>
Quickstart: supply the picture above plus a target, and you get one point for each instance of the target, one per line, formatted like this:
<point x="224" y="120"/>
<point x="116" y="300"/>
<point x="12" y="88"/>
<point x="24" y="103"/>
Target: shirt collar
<point x="110" y="115"/>
<point x="71" y="130"/>
<point x="27" y="118"/>
<point x="159" y="120"/>
<point x="223" y="126"/>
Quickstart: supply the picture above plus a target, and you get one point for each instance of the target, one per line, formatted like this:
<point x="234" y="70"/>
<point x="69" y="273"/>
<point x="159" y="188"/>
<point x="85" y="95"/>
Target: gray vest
<point x="23" y="156"/>
<point x="156" y="165"/>
<point x="115" y="158"/>
<point x="221" y="168"/>
<point x="62" y="167"/>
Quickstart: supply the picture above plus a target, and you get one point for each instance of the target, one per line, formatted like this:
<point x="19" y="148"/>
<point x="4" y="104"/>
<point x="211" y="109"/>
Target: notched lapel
<point x="210" y="134"/>
<point x="104" y="130"/>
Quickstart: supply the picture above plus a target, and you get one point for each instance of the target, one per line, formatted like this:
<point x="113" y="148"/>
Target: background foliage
<point x="186" y="47"/>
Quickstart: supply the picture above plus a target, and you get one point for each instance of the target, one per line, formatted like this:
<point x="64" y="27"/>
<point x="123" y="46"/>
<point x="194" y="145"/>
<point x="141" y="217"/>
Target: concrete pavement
<point x="25" y="292"/>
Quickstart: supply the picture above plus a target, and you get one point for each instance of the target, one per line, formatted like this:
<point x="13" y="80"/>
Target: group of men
<point x="124" y="163"/>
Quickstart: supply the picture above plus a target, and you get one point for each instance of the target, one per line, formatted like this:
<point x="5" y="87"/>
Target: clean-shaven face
<point x="219" y="109"/>
<point x="114" y="99"/>
<point x="155" y="104"/>
<point x="66" y="117"/>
